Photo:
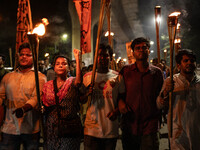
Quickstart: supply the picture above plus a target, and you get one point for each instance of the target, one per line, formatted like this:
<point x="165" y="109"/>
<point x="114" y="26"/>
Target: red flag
<point x="131" y="59"/>
<point x="24" y="22"/>
<point x="83" y="8"/>
<point x="24" y="25"/>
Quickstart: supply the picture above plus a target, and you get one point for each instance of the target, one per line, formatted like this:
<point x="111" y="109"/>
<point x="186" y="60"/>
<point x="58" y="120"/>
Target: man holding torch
<point x="186" y="102"/>
<point x="101" y="123"/>
<point x="18" y="93"/>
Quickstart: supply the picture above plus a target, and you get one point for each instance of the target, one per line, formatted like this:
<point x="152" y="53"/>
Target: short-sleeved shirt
<point x="142" y="89"/>
<point x="104" y="100"/>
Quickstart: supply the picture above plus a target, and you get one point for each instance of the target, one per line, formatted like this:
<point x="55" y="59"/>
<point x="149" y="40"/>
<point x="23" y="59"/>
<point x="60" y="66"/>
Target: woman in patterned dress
<point x="68" y="100"/>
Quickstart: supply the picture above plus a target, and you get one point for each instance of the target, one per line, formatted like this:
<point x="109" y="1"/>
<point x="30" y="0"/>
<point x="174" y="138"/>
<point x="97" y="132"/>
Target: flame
<point x="40" y="28"/>
<point x="177" y="41"/>
<point x="175" y="14"/>
<point x="178" y="26"/>
<point x="124" y="59"/>
<point x="107" y="33"/>
<point x="45" y="21"/>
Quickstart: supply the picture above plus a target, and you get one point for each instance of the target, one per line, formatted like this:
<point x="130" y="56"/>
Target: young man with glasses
<point x="140" y="115"/>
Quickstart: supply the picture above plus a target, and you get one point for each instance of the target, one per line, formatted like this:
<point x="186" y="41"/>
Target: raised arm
<point x="77" y="55"/>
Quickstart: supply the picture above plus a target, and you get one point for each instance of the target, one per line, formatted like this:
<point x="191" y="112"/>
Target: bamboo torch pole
<point x="39" y="30"/>
<point x="157" y="21"/>
<point x="108" y="22"/>
<point x="34" y="45"/>
<point x="172" y="23"/>
<point x="101" y="18"/>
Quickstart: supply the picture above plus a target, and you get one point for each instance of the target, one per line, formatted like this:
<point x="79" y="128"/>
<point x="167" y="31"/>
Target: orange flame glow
<point x="45" y="21"/>
<point x="40" y="28"/>
<point x="178" y="26"/>
<point x="177" y="41"/>
<point x="175" y="14"/>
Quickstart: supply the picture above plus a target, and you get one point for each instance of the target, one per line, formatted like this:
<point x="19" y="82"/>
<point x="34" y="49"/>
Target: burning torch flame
<point x="40" y="28"/>
<point x="178" y="26"/>
<point x="177" y="41"/>
<point x="175" y="14"/>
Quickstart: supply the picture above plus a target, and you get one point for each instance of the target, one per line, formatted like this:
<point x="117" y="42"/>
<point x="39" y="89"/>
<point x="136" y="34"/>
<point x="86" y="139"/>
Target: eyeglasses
<point x="141" y="47"/>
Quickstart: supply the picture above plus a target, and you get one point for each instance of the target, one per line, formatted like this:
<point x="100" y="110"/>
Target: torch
<point x="39" y="30"/>
<point x="101" y="19"/>
<point x="172" y="25"/>
<point x="157" y="22"/>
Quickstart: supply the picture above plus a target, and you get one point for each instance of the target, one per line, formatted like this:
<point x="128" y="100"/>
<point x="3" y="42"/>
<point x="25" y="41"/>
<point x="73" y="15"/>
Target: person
<point x="101" y="123"/>
<point x="41" y="66"/>
<point x="186" y="102"/>
<point x="3" y="71"/>
<point x="165" y="70"/>
<point x="73" y="68"/>
<point x="18" y="93"/>
<point x="50" y="73"/>
<point x="68" y="101"/>
<point x="90" y="67"/>
<point x="143" y="82"/>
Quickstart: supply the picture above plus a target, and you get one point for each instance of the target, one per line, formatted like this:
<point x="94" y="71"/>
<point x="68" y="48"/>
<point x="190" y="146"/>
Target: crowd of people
<point x="74" y="108"/>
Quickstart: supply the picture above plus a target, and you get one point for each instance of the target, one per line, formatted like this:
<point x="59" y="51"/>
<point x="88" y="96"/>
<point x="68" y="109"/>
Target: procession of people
<point x="59" y="105"/>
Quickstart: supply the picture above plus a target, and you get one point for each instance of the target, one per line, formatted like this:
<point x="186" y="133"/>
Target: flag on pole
<point x="83" y="8"/>
<point x="24" y="23"/>
<point x="131" y="59"/>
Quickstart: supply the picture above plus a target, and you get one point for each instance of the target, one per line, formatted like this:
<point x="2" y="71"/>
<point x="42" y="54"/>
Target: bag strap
<point x="56" y="97"/>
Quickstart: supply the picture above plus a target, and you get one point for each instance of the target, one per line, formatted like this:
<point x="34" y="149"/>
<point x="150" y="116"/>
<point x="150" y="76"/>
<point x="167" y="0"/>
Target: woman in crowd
<point x="61" y="105"/>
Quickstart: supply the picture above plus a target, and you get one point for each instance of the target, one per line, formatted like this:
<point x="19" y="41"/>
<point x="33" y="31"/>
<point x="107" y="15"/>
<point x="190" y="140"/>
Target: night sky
<point x="55" y="11"/>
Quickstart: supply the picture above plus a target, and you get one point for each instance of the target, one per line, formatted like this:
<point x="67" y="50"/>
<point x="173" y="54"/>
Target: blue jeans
<point x="13" y="142"/>
<point x="93" y="143"/>
<point x="143" y="142"/>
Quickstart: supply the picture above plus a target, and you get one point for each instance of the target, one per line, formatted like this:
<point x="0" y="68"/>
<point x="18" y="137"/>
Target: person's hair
<point x="3" y="57"/>
<point x="24" y="45"/>
<point x="163" y="60"/>
<point x="61" y="56"/>
<point x="108" y="48"/>
<point x="90" y="67"/>
<point x="140" y="40"/>
<point x="183" y="52"/>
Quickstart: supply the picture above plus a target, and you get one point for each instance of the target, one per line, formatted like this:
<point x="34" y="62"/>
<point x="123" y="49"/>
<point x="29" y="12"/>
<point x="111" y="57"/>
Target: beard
<point x="190" y="70"/>
<point x="25" y="66"/>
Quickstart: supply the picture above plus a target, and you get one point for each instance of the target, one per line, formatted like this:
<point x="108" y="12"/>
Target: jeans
<point x="144" y="142"/>
<point x="93" y="143"/>
<point x="13" y="142"/>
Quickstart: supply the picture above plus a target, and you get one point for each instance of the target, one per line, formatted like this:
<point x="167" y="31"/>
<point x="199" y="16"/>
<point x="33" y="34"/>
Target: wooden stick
<point x="108" y="22"/>
<point x="101" y="18"/>
<point x="10" y="54"/>
<point x="157" y="14"/>
<point x="34" y="45"/>
<point x="172" y="22"/>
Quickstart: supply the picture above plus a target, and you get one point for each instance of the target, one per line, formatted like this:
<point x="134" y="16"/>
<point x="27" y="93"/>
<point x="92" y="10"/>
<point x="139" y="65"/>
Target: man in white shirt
<point x="18" y="93"/>
<point x="101" y="127"/>
<point x="186" y="102"/>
